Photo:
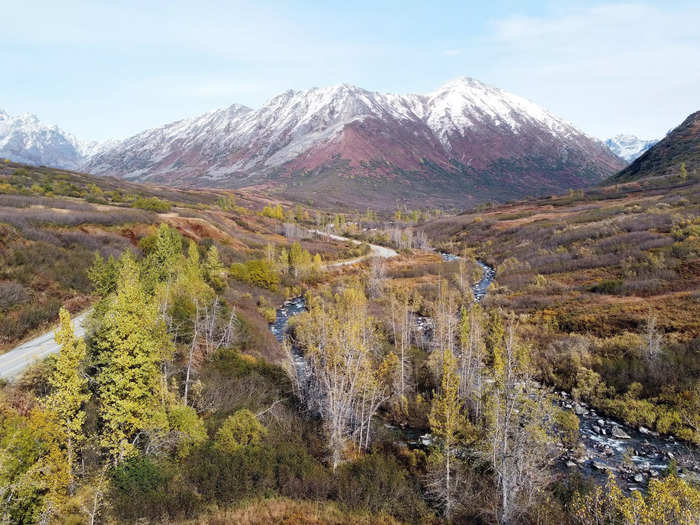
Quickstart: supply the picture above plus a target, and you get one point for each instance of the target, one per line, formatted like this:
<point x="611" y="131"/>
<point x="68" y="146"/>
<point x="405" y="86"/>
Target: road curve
<point x="15" y="361"/>
<point x="375" y="250"/>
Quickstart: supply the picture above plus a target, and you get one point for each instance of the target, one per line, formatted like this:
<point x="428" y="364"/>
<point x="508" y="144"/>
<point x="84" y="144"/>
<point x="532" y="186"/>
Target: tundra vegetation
<point x="179" y="406"/>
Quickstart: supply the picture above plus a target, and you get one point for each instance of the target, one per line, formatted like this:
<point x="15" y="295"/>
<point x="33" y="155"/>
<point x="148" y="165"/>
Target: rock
<point x="608" y="451"/>
<point x="596" y="429"/>
<point x="639" y="478"/>
<point x="579" y="410"/>
<point x="645" y="466"/>
<point x="601" y="423"/>
<point x="600" y="466"/>
<point x="571" y="464"/>
<point x="618" y="433"/>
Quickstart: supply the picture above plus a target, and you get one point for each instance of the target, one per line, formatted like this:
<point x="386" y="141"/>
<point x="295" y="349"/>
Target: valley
<point x="226" y="353"/>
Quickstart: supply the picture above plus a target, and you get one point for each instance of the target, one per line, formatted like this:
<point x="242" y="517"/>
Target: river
<point x="634" y="455"/>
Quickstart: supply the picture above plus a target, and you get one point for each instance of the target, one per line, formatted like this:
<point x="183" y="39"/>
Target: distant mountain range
<point x="680" y="145"/>
<point x="629" y="147"/>
<point x="462" y="143"/>
<point x="25" y="139"/>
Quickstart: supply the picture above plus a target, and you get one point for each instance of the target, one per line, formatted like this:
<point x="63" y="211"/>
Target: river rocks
<point x="580" y="410"/>
<point x="600" y="423"/>
<point x="639" y="478"/>
<point x="571" y="464"/>
<point x="597" y="465"/>
<point x="618" y="433"/>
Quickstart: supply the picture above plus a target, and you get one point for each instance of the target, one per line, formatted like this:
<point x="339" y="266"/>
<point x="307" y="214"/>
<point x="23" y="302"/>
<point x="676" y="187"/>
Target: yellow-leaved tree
<point x="447" y="423"/>
<point x="69" y="386"/>
<point x="131" y="344"/>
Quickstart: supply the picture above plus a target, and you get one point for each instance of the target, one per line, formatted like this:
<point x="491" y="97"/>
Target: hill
<point x="52" y="222"/>
<point x="682" y="145"/>
<point x="345" y="146"/>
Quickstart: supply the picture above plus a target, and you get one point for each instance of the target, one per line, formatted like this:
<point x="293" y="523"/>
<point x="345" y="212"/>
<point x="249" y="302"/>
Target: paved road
<point x="15" y="361"/>
<point x="375" y="250"/>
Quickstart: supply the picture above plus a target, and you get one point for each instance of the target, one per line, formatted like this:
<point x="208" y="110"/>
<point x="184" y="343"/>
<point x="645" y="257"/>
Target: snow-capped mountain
<point x="628" y="147"/>
<point x="466" y="140"/>
<point x="25" y="139"/>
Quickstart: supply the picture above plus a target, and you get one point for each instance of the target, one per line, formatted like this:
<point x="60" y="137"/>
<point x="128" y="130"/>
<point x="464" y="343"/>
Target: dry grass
<point x="289" y="512"/>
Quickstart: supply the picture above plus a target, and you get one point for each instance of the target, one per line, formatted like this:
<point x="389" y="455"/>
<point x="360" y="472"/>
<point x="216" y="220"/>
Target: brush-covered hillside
<point x="609" y="279"/>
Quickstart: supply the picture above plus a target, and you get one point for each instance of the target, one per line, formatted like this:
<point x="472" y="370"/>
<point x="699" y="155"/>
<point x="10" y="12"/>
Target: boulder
<point x="618" y="433"/>
<point x="639" y="478"/>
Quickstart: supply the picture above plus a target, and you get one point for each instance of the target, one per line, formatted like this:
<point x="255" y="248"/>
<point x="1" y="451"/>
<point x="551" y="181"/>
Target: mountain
<point x="628" y="147"/>
<point x="680" y="145"/>
<point x="25" y="139"/>
<point x="462" y="143"/>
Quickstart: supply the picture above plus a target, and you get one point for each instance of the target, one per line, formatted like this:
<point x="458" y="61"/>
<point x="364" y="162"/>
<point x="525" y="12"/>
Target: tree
<point x="69" y="386"/>
<point x="471" y="359"/>
<point x="348" y="378"/>
<point x="668" y="501"/>
<point x="377" y="275"/>
<point x="131" y="344"/>
<point x="518" y="442"/>
<point x="494" y="342"/>
<point x="683" y="171"/>
<point x="213" y="269"/>
<point x="447" y="423"/>
<point x="34" y="470"/>
<point x="653" y="339"/>
<point x="242" y="429"/>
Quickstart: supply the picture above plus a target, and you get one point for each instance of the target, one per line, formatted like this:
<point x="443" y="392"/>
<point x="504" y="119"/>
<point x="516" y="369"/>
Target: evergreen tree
<point x="214" y="270"/>
<point x="131" y="343"/>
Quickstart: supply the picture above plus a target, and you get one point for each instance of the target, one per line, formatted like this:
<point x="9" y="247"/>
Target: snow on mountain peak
<point x="25" y="139"/>
<point x="628" y="146"/>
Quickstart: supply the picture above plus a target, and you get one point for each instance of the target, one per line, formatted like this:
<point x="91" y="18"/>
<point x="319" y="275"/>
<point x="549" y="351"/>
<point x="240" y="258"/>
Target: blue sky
<point x="103" y="69"/>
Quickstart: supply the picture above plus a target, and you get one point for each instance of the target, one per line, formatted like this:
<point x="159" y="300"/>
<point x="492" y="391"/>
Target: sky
<point x="103" y="69"/>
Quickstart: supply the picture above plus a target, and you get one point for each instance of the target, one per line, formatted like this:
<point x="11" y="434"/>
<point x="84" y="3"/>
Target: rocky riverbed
<point x="634" y="455"/>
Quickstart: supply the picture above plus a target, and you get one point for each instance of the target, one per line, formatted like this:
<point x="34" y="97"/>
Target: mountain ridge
<point x="460" y="142"/>
<point x="681" y="145"/>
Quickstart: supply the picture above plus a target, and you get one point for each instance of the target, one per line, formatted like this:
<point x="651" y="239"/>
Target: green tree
<point x="214" y="270"/>
<point x="684" y="171"/>
<point x="131" y="344"/>
<point x="69" y="385"/>
<point x="242" y="429"/>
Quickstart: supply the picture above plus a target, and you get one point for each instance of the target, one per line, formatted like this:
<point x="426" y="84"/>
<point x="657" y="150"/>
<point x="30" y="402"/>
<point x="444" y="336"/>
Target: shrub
<point x="238" y="431"/>
<point x="379" y="484"/>
<point x="257" y="272"/>
<point x="151" y="204"/>
<point x="184" y="420"/>
<point x="607" y="287"/>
